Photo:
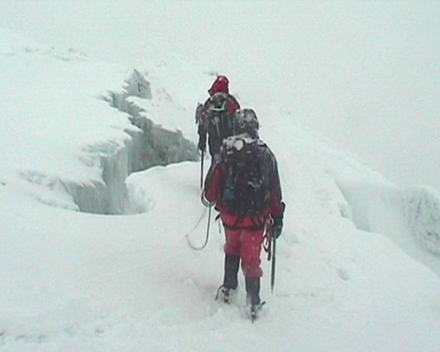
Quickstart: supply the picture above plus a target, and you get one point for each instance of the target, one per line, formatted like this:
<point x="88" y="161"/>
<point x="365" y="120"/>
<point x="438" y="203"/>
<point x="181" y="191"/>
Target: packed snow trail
<point x="132" y="282"/>
<point x="118" y="283"/>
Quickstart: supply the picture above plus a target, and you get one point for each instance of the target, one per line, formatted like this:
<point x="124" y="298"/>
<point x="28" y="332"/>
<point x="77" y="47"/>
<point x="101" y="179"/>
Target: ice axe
<point x="201" y="168"/>
<point x="270" y="248"/>
<point x="272" y="270"/>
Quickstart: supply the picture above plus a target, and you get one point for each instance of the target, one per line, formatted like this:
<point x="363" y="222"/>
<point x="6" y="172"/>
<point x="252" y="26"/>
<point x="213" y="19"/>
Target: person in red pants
<point x="245" y="188"/>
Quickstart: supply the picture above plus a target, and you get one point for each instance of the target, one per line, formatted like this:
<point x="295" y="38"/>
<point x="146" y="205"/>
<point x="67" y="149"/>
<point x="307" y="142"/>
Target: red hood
<point x="220" y="85"/>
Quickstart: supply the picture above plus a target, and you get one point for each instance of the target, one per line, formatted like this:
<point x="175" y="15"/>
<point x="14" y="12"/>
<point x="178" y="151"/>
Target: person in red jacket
<point x="244" y="235"/>
<point x="216" y="116"/>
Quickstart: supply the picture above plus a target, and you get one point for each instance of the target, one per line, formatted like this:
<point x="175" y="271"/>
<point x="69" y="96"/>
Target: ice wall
<point x="421" y="209"/>
<point x="148" y="145"/>
<point x="109" y="194"/>
<point x="410" y="216"/>
<point x="154" y="145"/>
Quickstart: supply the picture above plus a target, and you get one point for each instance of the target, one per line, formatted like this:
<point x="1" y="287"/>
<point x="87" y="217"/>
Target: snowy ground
<point x="357" y="269"/>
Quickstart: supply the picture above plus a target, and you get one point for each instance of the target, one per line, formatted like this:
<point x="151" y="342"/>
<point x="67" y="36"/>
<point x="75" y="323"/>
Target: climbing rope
<point x="208" y="205"/>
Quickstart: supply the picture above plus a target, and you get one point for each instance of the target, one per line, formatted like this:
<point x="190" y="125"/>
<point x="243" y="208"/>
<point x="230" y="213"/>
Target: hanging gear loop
<point x="267" y="238"/>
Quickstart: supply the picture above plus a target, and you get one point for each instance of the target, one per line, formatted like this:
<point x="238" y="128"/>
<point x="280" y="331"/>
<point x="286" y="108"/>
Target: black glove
<point x="277" y="227"/>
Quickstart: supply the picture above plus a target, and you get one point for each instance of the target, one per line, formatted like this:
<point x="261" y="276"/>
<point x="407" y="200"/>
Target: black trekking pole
<point x="272" y="273"/>
<point x="201" y="168"/>
<point x="198" y="118"/>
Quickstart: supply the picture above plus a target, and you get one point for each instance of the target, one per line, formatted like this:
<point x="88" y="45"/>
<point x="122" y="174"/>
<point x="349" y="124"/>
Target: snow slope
<point x="351" y="275"/>
<point x="362" y="72"/>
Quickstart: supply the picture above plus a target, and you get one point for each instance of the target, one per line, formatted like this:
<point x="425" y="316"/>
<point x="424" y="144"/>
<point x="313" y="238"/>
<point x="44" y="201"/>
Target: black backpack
<point x="247" y="163"/>
<point x="220" y="122"/>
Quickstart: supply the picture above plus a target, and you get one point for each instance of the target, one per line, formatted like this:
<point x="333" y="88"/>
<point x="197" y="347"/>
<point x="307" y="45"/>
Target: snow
<point x="99" y="193"/>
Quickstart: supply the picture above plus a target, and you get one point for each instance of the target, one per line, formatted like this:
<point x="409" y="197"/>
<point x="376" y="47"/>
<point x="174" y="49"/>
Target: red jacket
<point x="214" y="185"/>
<point x="204" y="128"/>
<point x="232" y="106"/>
<point x="220" y="85"/>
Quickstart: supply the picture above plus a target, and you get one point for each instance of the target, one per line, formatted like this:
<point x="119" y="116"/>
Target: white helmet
<point x="247" y="121"/>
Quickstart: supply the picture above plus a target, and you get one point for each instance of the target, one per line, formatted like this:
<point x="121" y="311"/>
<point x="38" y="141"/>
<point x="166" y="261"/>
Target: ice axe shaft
<point x="272" y="272"/>
<point x="201" y="168"/>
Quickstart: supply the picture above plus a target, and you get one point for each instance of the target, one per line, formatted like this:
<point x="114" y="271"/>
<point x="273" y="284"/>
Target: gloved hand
<point x="201" y="145"/>
<point x="277" y="227"/>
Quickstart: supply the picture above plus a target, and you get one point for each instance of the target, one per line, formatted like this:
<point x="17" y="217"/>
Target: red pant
<point x="247" y="245"/>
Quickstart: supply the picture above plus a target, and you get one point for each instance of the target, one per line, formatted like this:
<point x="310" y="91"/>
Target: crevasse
<point x="148" y="145"/>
